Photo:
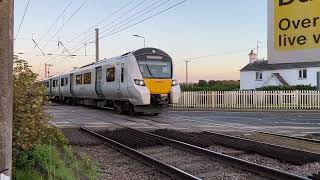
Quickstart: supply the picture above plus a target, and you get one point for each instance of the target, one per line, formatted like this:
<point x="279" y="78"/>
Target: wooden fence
<point x="299" y="100"/>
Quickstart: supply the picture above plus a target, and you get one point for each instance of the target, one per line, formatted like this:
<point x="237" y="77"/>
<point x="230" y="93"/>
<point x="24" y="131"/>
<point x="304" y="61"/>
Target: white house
<point x="259" y="73"/>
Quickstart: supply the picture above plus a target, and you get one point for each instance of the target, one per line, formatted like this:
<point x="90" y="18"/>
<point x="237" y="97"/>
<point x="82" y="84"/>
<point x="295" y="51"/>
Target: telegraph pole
<point x="258" y="42"/>
<point x="6" y="86"/>
<point x="97" y="45"/>
<point x="187" y="73"/>
<point x="45" y="70"/>
<point x="48" y="69"/>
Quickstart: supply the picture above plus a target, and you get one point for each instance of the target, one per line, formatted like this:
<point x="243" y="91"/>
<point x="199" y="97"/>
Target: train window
<point x="87" y="78"/>
<point x="79" y="79"/>
<point x="111" y="74"/>
<point x="66" y="81"/>
<point x="54" y="83"/>
<point x="122" y="72"/>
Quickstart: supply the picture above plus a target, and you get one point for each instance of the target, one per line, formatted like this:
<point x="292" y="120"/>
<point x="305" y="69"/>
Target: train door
<point x="98" y="85"/>
<point x="118" y="81"/>
<point x="71" y="84"/>
<point x="50" y="88"/>
<point x="123" y="81"/>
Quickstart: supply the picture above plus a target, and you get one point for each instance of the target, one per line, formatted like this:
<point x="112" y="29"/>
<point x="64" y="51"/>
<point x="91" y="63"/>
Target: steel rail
<point x="169" y="170"/>
<point x="289" y="154"/>
<point x="233" y="161"/>
<point x="291" y="137"/>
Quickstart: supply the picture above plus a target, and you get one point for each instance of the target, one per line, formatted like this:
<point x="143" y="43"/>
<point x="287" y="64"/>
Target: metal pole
<point x="187" y="73"/>
<point x="318" y="81"/>
<point x="49" y="65"/>
<point x="6" y="86"/>
<point x="97" y="45"/>
<point x="45" y="70"/>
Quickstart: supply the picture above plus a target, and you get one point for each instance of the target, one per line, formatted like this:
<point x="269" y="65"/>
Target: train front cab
<point x="158" y="75"/>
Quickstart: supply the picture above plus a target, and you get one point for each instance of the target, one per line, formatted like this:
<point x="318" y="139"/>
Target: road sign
<point x="293" y="31"/>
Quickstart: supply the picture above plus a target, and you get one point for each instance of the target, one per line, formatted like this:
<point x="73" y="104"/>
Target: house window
<point x="79" y="79"/>
<point x="87" y="78"/>
<point x="259" y="76"/>
<point x="303" y="74"/>
<point x="110" y="74"/>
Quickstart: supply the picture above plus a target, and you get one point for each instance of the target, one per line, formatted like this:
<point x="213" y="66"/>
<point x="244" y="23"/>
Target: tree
<point x="202" y="83"/>
<point x="30" y="122"/>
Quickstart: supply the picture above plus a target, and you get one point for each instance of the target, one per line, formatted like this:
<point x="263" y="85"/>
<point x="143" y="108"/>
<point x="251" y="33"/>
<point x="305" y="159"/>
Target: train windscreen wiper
<point x="149" y="70"/>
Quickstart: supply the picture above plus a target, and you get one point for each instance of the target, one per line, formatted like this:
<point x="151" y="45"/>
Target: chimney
<point x="252" y="57"/>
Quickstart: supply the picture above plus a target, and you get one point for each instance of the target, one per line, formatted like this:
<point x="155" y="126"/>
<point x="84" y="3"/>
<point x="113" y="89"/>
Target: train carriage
<point x="139" y="81"/>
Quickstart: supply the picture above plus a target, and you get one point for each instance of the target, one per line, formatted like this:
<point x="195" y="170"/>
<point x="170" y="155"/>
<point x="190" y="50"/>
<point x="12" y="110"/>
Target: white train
<point x="139" y="81"/>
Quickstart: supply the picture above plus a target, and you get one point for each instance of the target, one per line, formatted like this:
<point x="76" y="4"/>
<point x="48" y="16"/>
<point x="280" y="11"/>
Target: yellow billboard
<point x="296" y="25"/>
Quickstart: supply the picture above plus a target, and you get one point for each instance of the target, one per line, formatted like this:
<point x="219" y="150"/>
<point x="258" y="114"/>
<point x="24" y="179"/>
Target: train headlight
<point x="174" y="82"/>
<point x="139" y="82"/>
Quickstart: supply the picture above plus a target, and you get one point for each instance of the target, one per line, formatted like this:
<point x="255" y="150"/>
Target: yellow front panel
<point x="158" y="86"/>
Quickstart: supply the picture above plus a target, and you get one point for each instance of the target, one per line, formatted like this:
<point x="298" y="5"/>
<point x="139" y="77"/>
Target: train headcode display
<point x="293" y="31"/>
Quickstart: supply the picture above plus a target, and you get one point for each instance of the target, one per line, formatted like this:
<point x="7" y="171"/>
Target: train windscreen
<point x="155" y="67"/>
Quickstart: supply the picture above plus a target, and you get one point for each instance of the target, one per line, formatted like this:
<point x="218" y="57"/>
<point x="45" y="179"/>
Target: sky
<point x="216" y="36"/>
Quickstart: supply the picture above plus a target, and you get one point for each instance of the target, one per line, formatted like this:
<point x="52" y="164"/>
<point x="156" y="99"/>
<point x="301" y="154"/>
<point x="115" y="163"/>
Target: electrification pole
<point x="187" y="73"/>
<point x="45" y="70"/>
<point x="97" y="45"/>
<point x="48" y="69"/>
<point x="6" y="87"/>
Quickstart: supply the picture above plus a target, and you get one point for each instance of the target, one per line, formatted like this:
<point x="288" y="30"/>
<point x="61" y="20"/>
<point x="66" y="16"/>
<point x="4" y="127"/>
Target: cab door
<point x="123" y="81"/>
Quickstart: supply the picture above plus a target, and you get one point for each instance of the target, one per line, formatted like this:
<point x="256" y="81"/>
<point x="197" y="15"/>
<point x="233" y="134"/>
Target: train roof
<point x="139" y="52"/>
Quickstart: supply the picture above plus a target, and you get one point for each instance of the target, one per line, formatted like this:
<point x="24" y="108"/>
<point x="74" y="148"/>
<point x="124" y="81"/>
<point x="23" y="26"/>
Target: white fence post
<point x="297" y="100"/>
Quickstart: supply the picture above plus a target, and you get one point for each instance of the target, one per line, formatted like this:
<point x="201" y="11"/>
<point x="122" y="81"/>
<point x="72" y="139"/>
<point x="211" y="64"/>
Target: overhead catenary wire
<point x="22" y="20"/>
<point x="143" y="20"/>
<point x="100" y="22"/>
<point x="55" y="22"/>
<point x="121" y="16"/>
<point x="133" y="16"/>
<point x="64" y="24"/>
<point x="84" y="43"/>
<point x="120" y="30"/>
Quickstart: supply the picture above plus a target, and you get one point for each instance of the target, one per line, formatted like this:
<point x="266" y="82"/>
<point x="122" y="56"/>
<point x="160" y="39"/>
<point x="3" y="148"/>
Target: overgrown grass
<point x="47" y="162"/>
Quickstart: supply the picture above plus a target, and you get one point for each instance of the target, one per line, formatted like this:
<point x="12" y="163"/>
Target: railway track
<point x="177" y="173"/>
<point x="100" y="116"/>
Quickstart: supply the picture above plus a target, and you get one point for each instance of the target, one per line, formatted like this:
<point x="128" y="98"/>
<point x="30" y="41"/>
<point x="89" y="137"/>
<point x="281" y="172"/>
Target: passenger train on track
<point x="140" y="81"/>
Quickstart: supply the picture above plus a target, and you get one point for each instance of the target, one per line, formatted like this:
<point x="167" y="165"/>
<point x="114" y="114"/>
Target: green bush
<point x="35" y="155"/>
<point x="287" y="88"/>
<point x="212" y="85"/>
<point x="28" y="175"/>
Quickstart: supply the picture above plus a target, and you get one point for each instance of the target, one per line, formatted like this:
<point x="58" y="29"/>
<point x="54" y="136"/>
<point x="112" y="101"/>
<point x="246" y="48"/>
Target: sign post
<point x="318" y="81"/>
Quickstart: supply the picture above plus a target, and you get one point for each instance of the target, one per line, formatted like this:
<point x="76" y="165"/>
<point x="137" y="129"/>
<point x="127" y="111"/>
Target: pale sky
<point x="226" y="30"/>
